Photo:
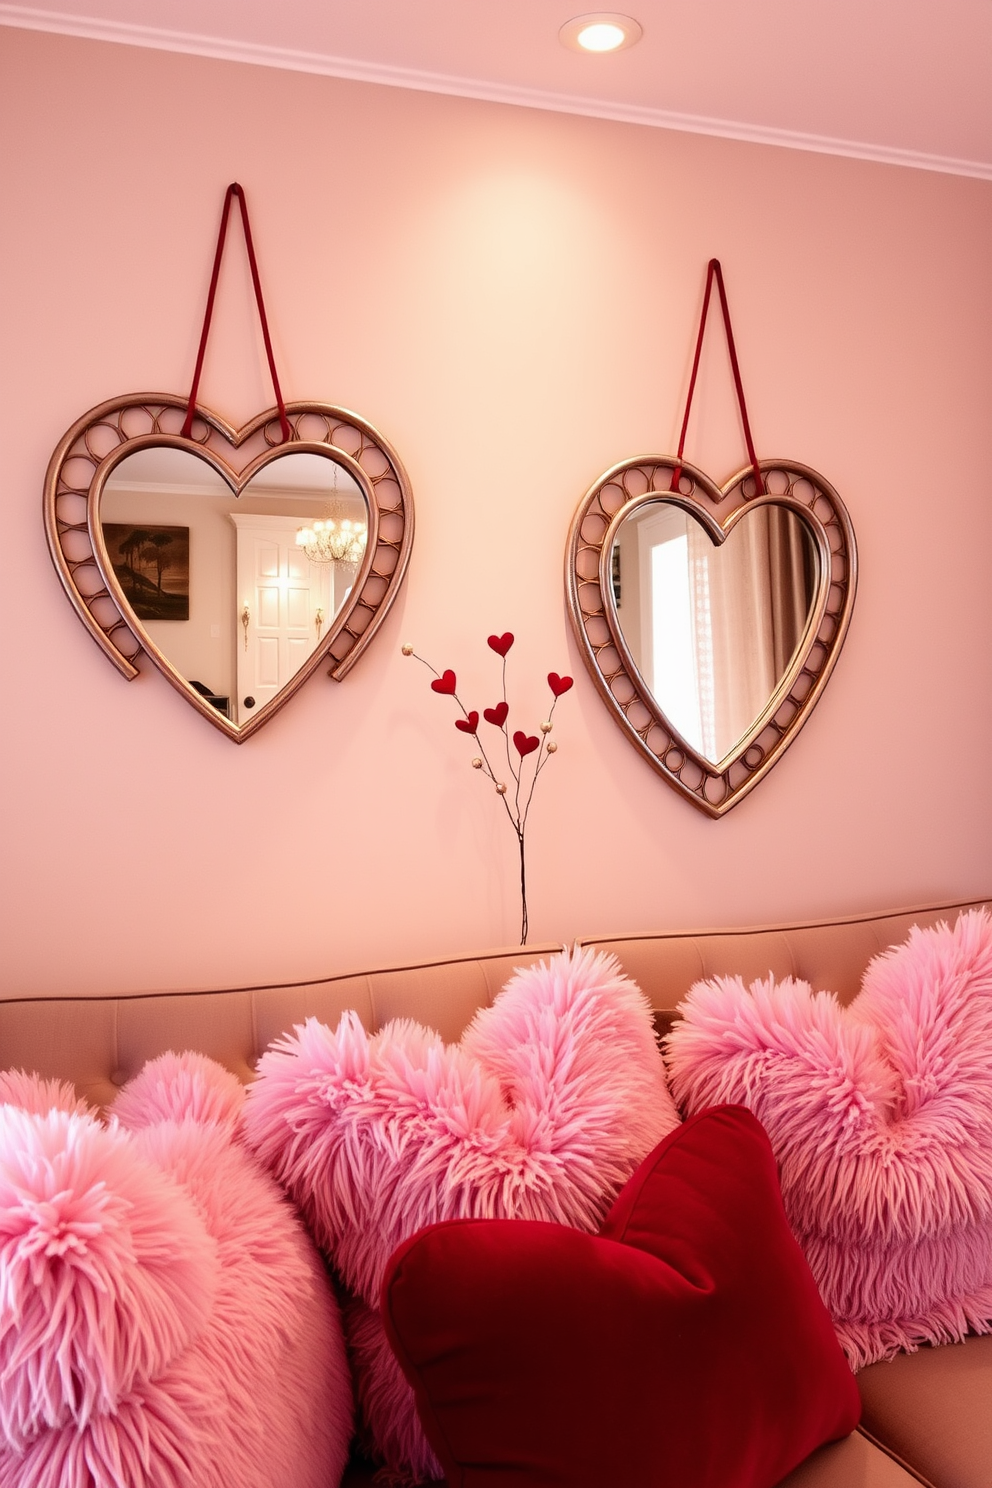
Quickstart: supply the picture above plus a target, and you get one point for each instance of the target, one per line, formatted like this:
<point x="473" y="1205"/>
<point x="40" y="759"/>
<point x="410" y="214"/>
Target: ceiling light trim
<point x="186" y="43"/>
<point x="571" y="33"/>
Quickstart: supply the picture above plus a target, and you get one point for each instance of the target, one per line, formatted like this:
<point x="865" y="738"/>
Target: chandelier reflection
<point x="334" y="540"/>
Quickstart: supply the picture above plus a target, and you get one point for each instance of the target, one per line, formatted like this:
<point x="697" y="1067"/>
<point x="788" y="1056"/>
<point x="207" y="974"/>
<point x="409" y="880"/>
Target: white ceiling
<point x="907" y="81"/>
<point x="171" y="469"/>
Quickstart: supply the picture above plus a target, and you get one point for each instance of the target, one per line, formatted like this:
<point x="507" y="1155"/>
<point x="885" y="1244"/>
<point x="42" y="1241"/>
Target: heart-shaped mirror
<point x="237" y="562"/>
<point x="710" y="618"/>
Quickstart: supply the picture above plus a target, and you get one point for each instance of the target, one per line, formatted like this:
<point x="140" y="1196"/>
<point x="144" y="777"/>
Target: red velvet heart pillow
<point x="685" y="1346"/>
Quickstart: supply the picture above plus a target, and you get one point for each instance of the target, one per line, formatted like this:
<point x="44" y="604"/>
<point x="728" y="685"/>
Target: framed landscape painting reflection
<point x="152" y="567"/>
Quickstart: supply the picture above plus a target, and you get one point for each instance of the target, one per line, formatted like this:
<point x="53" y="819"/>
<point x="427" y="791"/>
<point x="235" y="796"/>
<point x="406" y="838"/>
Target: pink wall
<point x="510" y="296"/>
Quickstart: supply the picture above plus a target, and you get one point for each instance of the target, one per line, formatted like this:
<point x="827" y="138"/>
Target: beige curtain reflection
<point x="747" y="624"/>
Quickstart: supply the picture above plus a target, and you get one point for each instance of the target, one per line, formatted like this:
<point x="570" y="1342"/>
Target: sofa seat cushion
<point x="854" y="1462"/>
<point x="934" y="1410"/>
<point x="686" y="1344"/>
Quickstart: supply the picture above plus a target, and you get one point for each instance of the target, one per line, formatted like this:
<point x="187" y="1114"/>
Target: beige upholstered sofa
<point x="927" y="1416"/>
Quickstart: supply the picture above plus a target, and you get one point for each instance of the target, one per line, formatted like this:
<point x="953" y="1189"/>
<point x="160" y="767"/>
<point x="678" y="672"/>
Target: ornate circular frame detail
<point x="96" y="444"/>
<point x="713" y="787"/>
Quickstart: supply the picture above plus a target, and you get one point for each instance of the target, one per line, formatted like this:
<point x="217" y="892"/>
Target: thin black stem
<point x="523" y="889"/>
<point x="542" y="761"/>
<point x="426" y="664"/>
<point x="514" y="771"/>
<point x="501" y="793"/>
<point x="516" y="796"/>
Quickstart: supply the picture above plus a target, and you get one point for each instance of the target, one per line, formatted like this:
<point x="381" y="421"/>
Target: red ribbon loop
<point x="714" y="271"/>
<point x="235" y="190"/>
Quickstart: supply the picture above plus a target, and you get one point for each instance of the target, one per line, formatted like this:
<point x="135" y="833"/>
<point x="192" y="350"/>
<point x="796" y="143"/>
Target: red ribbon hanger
<point x="235" y="190"/>
<point x="714" y="271"/>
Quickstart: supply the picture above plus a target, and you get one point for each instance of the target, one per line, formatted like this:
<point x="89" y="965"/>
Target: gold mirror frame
<point x="713" y="787"/>
<point x="93" y="447"/>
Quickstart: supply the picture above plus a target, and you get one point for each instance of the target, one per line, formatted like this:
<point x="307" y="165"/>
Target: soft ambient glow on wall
<point x="604" y="31"/>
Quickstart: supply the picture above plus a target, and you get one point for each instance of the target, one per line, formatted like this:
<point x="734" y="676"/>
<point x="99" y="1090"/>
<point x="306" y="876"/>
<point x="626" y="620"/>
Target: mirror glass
<point x="236" y="592"/>
<point x="713" y="629"/>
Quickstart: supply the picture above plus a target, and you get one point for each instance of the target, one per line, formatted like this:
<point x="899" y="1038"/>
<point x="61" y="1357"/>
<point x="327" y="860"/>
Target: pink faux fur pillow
<point x="542" y="1111"/>
<point x="164" y="1320"/>
<point x="880" y="1115"/>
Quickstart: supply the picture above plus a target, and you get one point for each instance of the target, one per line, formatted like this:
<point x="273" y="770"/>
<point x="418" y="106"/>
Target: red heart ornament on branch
<point x="121" y="566"/>
<point x="516" y="797"/>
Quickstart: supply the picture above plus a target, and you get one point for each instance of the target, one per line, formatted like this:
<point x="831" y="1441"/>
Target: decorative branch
<point x="524" y="777"/>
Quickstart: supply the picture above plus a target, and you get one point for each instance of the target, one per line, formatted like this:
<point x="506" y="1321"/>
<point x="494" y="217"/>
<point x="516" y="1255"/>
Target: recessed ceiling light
<point x="604" y="31"/>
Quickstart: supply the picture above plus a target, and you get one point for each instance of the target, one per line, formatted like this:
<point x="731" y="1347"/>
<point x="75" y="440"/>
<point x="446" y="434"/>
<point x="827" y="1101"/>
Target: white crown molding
<point x="26" y="18"/>
<point x="163" y="488"/>
<point x="344" y="495"/>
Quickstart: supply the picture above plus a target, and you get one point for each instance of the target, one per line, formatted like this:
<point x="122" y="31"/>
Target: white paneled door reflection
<point x="284" y="602"/>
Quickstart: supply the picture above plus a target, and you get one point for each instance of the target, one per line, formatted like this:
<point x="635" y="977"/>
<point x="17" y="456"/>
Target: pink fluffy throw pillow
<point x="108" y="1272"/>
<point x="880" y="1116"/>
<point x="542" y="1112"/>
<point x="164" y="1319"/>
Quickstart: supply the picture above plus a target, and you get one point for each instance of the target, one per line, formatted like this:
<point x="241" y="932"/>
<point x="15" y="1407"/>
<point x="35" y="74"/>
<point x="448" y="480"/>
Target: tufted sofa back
<point x="99" y="1043"/>
<point x="829" y="954"/>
